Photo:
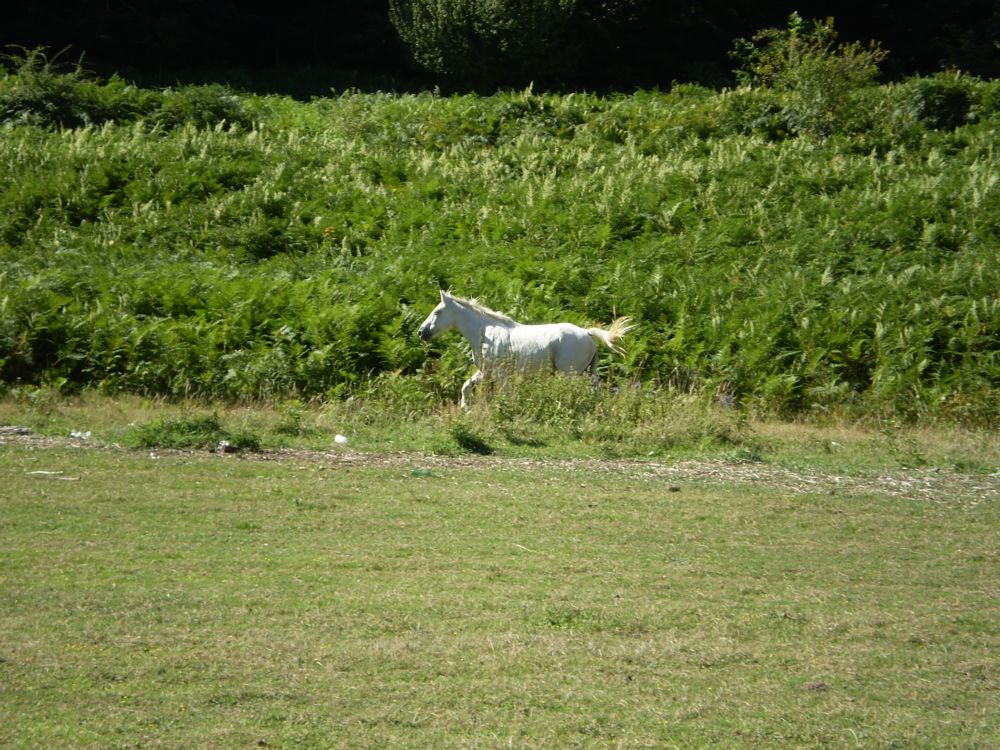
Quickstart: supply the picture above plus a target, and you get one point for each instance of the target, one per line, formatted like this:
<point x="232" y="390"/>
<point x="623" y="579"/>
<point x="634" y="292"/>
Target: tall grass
<point x="294" y="249"/>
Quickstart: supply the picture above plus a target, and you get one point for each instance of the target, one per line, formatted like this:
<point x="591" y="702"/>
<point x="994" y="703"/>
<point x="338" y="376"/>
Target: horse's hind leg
<point x="595" y="381"/>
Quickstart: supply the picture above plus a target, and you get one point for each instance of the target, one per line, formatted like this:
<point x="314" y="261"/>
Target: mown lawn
<point x="158" y="599"/>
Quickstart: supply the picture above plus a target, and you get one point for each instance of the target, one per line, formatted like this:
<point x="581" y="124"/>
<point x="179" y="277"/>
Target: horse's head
<point x="441" y="319"/>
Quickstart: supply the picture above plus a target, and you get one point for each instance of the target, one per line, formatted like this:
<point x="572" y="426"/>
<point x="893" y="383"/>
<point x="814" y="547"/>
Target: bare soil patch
<point x="929" y="484"/>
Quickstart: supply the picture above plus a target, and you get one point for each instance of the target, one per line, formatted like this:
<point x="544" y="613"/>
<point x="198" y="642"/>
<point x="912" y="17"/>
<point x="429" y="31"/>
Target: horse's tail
<point x="610" y="338"/>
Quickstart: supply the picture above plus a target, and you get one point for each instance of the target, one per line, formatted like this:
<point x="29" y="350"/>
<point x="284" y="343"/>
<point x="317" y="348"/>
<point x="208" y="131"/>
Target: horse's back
<point x="562" y="346"/>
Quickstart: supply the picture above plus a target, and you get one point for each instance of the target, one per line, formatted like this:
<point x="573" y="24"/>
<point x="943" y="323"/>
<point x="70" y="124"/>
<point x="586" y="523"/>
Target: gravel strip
<point x="925" y="484"/>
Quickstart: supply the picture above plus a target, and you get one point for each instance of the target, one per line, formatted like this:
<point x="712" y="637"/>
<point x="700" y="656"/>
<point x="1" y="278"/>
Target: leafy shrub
<point x="757" y="111"/>
<point x="941" y="101"/>
<point x="202" y="106"/>
<point x="293" y="420"/>
<point x="33" y="90"/>
<point x="38" y="90"/>
<point x="988" y="99"/>
<point x="817" y="78"/>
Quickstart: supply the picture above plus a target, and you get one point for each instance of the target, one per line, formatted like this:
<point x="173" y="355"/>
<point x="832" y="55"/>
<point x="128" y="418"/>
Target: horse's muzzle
<point x="424" y="334"/>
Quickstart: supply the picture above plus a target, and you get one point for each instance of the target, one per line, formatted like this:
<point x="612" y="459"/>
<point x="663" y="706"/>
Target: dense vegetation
<point x="831" y="251"/>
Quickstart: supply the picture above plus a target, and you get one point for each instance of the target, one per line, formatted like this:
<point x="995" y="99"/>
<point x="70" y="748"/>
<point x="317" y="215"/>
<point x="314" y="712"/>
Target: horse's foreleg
<point x="476" y="377"/>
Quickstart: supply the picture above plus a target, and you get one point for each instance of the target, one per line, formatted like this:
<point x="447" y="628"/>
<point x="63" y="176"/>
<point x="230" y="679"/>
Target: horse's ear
<point x="443" y="294"/>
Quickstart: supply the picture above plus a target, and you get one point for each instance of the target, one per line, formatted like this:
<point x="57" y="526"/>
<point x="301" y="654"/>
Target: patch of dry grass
<point x="187" y="599"/>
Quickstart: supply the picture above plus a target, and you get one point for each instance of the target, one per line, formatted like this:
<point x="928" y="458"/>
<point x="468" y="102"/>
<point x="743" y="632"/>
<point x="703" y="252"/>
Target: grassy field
<point x="657" y="562"/>
<point x="155" y="598"/>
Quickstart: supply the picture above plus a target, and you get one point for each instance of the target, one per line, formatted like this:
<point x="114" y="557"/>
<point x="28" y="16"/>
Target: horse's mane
<point x="479" y="307"/>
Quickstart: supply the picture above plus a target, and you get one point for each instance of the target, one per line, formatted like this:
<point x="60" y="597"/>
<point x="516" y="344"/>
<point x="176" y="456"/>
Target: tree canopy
<point x="588" y="44"/>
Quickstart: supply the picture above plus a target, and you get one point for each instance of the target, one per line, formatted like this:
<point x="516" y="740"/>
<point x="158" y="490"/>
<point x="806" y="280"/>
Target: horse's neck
<point x="471" y="323"/>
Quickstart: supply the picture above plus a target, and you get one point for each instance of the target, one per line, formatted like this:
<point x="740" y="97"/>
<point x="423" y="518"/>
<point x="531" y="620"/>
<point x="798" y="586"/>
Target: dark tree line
<point x="304" y="46"/>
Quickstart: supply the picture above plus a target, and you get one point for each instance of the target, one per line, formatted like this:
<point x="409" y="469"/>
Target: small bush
<point x="817" y="78"/>
<point x="942" y="101"/>
<point x="201" y="106"/>
<point x="293" y="421"/>
<point x="190" y="432"/>
<point x="988" y="101"/>
<point x="40" y="90"/>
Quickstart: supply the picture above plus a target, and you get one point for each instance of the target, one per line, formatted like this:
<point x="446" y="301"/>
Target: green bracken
<point x="244" y="247"/>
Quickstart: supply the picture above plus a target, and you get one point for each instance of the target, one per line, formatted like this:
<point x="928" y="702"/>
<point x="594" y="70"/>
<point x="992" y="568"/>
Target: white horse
<point x="500" y="343"/>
